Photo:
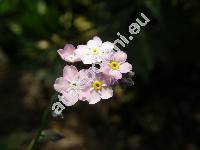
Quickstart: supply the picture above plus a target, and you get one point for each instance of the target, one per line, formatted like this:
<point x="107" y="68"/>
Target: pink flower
<point x="68" y="54"/>
<point x="99" y="89"/>
<point x="116" y="65"/>
<point x="71" y="85"/>
<point x="95" y="51"/>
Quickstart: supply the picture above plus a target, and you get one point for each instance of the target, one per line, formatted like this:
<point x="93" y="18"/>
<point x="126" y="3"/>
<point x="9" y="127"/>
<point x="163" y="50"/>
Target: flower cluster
<point x="94" y="83"/>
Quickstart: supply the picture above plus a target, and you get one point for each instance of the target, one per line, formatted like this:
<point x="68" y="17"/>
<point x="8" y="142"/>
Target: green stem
<point x="34" y="142"/>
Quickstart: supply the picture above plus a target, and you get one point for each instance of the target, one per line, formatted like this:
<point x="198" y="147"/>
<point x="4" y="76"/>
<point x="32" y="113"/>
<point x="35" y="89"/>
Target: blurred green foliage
<point x="26" y="23"/>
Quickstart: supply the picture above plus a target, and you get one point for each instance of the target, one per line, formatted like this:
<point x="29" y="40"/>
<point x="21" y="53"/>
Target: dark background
<point x="160" y="112"/>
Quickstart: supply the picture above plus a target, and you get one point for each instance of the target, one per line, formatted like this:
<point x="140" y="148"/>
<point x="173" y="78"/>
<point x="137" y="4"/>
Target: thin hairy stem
<point x="34" y="143"/>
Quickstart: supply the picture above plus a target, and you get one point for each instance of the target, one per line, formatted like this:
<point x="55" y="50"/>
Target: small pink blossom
<point x="95" y="51"/>
<point x="116" y="65"/>
<point x="68" y="54"/>
<point x="99" y="88"/>
<point x="71" y="85"/>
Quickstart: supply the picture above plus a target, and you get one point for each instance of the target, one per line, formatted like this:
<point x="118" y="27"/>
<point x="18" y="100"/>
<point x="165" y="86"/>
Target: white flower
<point x="95" y="51"/>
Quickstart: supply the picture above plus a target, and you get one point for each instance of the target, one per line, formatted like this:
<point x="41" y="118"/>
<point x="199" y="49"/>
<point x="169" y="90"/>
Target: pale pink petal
<point x="88" y="59"/>
<point x="106" y="51"/>
<point x="69" y="47"/>
<point x="116" y="74"/>
<point x="82" y="46"/>
<point x="83" y="72"/>
<point x="109" y="80"/>
<point x="63" y="54"/>
<point x="104" y="78"/>
<point x="81" y="50"/>
<point x="69" y="99"/>
<point x="112" y="81"/>
<point x="70" y="73"/>
<point x="72" y="58"/>
<point x="97" y="58"/>
<point x="96" y="38"/>
<point x="68" y="50"/>
<point x="107" y="46"/>
<point x="106" y="93"/>
<point x="125" y="67"/>
<point x="77" y="59"/>
<point x="94" y="97"/>
<point x="84" y="78"/>
<point x="95" y="43"/>
<point x="105" y="68"/>
<point x="60" y="84"/>
<point x="120" y="56"/>
<point x="107" y="55"/>
<point x="83" y="95"/>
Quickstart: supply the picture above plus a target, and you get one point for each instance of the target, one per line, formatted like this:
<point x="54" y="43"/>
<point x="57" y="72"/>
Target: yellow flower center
<point x="95" y="51"/>
<point x="97" y="85"/>
<point x="114" y="65"/>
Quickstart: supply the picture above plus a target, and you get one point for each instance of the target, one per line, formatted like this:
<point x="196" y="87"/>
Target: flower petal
<point x="72" y="58"/>
<point x="125" y="67"/>
<point x="116" y="74"/>
<point x="97" y="58"/>
<point x="81" y="50"/>
<point x="70" y="73"/>
<point x="106" y="93"/>
<point x="84" y="78"/>
<point x="94" y="97"/>
<point x="83" y="95"/>
<point x="60" y="84"/>
<point x="107" y="46"/>
<point x="68" y="50"/>
<point x="105" y="68"/>
<point x="120" y="56"/>
<point x="96" y="38"/>
<point x="69" y="47"/>
<point x="95" y="43"/>
<point x="88" y="59"/>
<point x="69" y="99"/>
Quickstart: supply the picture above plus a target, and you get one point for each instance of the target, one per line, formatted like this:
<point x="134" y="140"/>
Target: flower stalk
<point x="34" y="143"/>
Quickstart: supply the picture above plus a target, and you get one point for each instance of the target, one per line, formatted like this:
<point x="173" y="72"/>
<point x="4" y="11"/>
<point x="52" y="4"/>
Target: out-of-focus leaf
<point x="130" y="74"/>
<point x="41" y="7"/>
<point x="49" y="135"/>
<point x="82" y="24"/>
<point x="128" y="81"/>
<point x="66" y="19"/>
<point x="15" y="28"/>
